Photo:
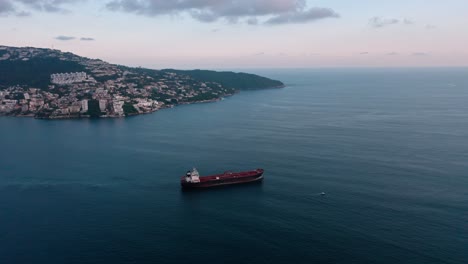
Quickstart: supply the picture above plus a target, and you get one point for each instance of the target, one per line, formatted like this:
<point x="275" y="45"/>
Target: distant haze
<point x="245" y="33"/>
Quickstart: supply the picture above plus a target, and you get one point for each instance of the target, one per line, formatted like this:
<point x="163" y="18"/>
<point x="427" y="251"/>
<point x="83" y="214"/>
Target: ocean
<point x="389" y="147"/>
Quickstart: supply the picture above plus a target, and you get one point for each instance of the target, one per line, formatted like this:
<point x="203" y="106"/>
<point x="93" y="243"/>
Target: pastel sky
<point x="245" y="33"/>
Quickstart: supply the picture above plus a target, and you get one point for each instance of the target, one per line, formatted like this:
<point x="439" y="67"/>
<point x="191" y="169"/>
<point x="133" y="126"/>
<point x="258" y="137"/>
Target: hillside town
<point x="99" y="89"/>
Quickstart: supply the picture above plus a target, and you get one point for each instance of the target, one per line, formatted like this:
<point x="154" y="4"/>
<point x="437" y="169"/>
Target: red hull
<point x="226" y="178"/>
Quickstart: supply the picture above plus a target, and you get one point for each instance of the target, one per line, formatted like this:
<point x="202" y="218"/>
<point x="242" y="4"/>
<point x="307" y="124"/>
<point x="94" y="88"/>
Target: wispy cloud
<point x="379" y="22"/>
<point x="250" y="11"/>
<point x="392" y="54"/>
<point x="64" y="38"/>
<point x="252" y="21"/>
<point x="6" y="7"/>
<point x="49" y="5"/>
<point x="22" y="13"/>
<point x="16" y="7"/>
<point x="312" y="14"/>
<point x="87" y="39"/>
<point x="407" y="21"/>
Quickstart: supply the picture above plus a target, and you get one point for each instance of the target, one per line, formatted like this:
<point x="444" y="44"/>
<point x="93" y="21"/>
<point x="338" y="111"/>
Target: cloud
<point x="364" y="53"/>
<point x="87" y="39"/>
<point x="252" y="21"/>
<point x="16" y="7"/>
<point x="312" y="14"/>
<point x="429" y="26"/>
<point x="64" y="38"/>
<point x="47" y="5"/>
<point x="392" y="54"/>
<point x="23" y="14"/>
<point x="278" y="11"/>
<point x="379" y="22"/>
<point x="6" y="7"/>
<point x="407" y="21"/>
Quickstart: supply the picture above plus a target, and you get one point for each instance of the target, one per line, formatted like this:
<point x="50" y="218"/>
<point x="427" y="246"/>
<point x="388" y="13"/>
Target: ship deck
<point x="229" y="175"/>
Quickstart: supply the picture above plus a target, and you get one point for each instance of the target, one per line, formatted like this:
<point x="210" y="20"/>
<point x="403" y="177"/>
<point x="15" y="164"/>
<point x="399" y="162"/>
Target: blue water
<point x="388" y="146"/>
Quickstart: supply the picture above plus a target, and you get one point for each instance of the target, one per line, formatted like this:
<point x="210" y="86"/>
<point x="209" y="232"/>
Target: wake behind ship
<point x="193" y="180"/>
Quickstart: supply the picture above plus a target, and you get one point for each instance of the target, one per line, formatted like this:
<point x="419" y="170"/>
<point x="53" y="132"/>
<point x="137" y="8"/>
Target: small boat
<point x="192" y="179"/>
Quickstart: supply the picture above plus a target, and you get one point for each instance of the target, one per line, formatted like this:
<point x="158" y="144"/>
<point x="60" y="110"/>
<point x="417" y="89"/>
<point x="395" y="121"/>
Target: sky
<point x="219" y="34"/>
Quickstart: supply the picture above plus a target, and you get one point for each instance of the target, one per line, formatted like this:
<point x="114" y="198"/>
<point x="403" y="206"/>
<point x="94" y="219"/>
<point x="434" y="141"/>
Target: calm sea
<point x="389" y="147"/>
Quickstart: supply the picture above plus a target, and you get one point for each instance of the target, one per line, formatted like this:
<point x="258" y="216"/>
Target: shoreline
<point x="79" y="116"/>
<point x="164" y="106"/>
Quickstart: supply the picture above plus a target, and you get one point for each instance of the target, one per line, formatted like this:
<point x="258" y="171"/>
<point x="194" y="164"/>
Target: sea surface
<point x="389" y="147"/>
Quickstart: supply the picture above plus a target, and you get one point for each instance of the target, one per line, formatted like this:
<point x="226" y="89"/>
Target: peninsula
<point x="50" y="84"/>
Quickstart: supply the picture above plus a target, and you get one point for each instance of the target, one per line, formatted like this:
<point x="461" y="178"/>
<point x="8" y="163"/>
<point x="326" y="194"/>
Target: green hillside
<point x="238" y="81"/>
<point x="34" y="72"/>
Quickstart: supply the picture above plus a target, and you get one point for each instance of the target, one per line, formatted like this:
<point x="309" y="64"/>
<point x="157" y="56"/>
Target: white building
<point x="75" y="107"/>
<point x="84" y="106"/>
<point x="68" y="78"/>
<point x="118" y="107"/>
<point x="10" y="103"/>
<point x="103" y="105"/>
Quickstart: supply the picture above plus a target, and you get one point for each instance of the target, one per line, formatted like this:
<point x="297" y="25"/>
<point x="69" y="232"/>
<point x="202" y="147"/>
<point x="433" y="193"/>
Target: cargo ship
<point x="193" y="180"/>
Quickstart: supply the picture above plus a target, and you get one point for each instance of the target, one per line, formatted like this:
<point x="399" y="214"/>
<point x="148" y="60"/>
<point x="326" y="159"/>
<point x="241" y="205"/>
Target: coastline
<point x="164" y="106"/>
<point x="83" y="116"/>
<point x="98" y="89"/>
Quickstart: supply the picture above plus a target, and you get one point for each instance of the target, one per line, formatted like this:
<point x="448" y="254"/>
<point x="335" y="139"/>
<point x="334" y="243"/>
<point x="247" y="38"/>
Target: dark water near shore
<point x="388" y="146"/>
